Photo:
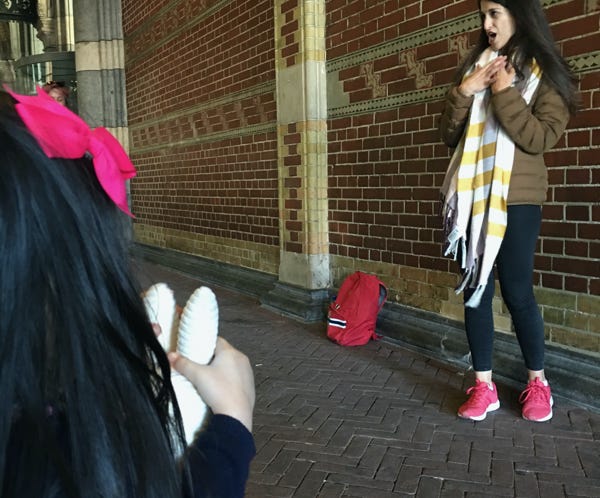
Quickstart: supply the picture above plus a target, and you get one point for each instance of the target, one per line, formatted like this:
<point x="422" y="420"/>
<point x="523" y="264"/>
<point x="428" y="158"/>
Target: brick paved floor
<point x="379" y="420"/>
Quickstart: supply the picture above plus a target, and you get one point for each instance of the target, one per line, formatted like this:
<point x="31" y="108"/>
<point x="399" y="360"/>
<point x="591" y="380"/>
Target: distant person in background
<point x="509" y="104"/>
<point x="58" y="91"/>
<point x="6" y="101"/>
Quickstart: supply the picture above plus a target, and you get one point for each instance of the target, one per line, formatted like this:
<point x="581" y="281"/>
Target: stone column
<point x="55" y="25"/>
<point x="100" y="65"/>
<point x="304" y="274"/>
<point x="7" y="70"/>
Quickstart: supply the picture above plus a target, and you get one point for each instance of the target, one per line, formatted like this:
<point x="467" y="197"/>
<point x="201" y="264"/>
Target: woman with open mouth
<point x="510" y="103"/>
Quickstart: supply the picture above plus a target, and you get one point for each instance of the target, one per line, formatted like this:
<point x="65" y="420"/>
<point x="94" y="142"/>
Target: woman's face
<point x="498" y="23"/>
<point x="58" y="95"/>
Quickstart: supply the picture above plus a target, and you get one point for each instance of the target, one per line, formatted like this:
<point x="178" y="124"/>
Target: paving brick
<point x="265" y="491"/>
<point x="379" y="408"/>
<point x="328" y="429"/>
<point x="459" y="452"/>
<point x="362" y="492"/>
<point x="268" y="451"/>
<point x="582" y="490"/>
<point x="589" y="456"/>
<point x="552" y="490"/>
<point x="295" y="473"/>
<point x="545" y="447"/>
<point x="331" y="490"/>
<point x="311" y="484"/>
<point x="408" y="478"/>
<point x="429" y="487"/>
<point x="455" y="472"/>
<point x="423" y="432"/>
<point x="357" y="446"/>
<point x="339" y="468"/>
<point x="354" y="479"/>
<point x="372" y="458"/>
<point x="526" y="484"/>
<point x="390" y="467"/>
<point x="473" y="490"/>
<point x="262" y="478"/>
<point x="329" y="461"/>
<point x="281" y="462"/>
<point x="451" y="493"/>
<point x="567" y="456"/>
<point x="502" y="472"/>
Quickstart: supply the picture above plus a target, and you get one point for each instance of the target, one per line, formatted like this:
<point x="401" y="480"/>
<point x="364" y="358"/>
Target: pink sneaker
<point x="483" y="399"/>
<point x="537" y="401"/>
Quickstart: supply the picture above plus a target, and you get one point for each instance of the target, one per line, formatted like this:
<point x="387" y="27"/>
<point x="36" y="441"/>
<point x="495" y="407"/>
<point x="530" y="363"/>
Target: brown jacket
<point x="534" y="128"/>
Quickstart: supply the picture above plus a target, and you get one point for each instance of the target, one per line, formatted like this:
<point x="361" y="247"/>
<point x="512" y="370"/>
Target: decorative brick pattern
<point x="288" y="43"/>
<point x="303" y="192"/>
<point x="300" y="32"/>
<point x="302" y="139"/>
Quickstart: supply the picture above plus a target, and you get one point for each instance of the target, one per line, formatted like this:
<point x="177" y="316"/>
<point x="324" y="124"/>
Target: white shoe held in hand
<point x="197" y="338"/>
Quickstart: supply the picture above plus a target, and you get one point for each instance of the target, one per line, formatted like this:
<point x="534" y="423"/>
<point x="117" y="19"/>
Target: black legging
<point x="514" y="264"/>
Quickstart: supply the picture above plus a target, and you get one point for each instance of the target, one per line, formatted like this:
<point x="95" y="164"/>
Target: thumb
<point x="186" y="367"/>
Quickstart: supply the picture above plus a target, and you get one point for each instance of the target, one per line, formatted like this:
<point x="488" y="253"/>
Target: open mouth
<point x="492" y="38"/>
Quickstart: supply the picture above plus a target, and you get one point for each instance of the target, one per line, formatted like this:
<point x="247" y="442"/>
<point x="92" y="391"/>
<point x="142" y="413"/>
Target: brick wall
<point x="202" y="119"/>
<point x="389" y="65"/>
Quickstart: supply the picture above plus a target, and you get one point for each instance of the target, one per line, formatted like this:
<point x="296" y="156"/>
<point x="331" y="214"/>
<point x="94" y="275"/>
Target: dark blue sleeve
<point x="219" y="459"/>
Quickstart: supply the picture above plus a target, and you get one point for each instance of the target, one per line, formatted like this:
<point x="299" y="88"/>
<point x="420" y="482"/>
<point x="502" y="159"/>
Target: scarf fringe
<point x="475" y="298"/>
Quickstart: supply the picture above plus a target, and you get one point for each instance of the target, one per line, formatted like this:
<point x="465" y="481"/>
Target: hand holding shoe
<point x="226" y="384"/>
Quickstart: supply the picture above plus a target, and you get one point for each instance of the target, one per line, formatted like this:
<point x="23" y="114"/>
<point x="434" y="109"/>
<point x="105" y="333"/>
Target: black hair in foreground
<point x="84" y="383"/>
<point x="532" y="39"/>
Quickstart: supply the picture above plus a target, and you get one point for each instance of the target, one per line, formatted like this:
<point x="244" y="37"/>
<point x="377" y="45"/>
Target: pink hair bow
<point x="62" y="134"/>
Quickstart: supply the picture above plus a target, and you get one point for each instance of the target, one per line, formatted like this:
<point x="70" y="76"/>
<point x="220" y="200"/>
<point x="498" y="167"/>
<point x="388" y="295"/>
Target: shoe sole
<point x="198" y="327"/>
<point x="160" y="308"/>
<point x="491" y="407"/>
<point x="544" y="419"/>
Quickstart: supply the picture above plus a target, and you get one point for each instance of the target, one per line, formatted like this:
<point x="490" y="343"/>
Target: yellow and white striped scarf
<point x="474" y="208"/>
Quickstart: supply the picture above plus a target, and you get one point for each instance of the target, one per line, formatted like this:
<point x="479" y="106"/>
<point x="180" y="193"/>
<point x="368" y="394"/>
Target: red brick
<point x="572" y="27"/>
<point x="552" y="280"/>
<point x="588" y="231"/>
<point x="581" y="44"/>
<point x="578" y="213"/>
<point x="577" y="249"/>
<point x="576" y="284"/>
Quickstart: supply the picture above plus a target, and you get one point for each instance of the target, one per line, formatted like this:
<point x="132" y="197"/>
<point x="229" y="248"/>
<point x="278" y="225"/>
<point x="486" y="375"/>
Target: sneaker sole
<point x="160" y="308"/>
<point x="492" y="407"/>
<point x="199" y="326"/>
<point x="196" y="340"/>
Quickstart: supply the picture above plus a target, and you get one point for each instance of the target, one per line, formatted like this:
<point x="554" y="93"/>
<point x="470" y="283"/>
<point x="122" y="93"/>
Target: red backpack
<point x="352" y="316"/>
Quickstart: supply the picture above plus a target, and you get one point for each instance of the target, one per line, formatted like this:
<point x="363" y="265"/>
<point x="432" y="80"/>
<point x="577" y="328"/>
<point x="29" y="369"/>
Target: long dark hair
<point x="532" y="39"/>
<point x="84" y="382"/>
